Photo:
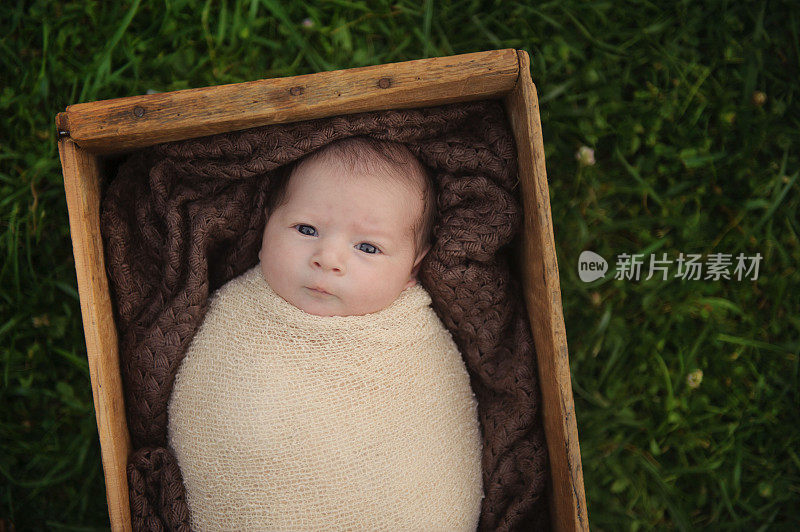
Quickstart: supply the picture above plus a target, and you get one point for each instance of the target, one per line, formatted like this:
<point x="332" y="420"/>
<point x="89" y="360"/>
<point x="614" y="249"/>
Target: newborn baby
<point x="322" y="392"/>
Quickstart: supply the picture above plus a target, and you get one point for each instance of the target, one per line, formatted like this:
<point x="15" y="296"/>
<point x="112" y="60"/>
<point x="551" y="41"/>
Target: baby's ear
<point x="264" y="232"/>
<point x="421" y="256"/>
<point x="412" y="280"/>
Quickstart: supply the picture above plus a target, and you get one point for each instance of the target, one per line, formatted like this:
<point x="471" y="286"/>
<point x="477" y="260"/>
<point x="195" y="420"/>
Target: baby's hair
<point x="388" y="158"/>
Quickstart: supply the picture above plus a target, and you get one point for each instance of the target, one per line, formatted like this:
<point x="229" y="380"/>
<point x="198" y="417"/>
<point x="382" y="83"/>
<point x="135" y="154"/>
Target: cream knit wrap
<point x="282" y="420"/>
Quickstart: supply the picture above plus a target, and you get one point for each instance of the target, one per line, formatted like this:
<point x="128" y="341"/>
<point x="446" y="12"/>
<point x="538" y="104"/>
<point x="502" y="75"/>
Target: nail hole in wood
<point x="138" y="111"/>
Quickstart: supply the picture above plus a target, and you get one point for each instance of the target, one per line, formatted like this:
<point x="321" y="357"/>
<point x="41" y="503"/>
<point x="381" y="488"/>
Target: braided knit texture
<point x="183" y="218"/>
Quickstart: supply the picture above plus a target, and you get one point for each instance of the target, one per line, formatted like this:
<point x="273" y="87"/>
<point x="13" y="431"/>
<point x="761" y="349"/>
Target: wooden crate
<point x="89" y="132"/>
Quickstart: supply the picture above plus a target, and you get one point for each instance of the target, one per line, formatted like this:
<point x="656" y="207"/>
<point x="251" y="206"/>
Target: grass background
<point x="691" y="110"/>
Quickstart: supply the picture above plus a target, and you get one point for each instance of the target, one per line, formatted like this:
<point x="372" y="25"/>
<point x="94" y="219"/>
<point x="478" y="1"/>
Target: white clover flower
<point x="694" y="378"/>
<point x="308" y="23"/>
<point x="585" y="156"/>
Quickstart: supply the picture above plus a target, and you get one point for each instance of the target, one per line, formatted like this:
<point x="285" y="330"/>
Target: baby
<point x="322" y="392"/>
<point x="353" y="230"/>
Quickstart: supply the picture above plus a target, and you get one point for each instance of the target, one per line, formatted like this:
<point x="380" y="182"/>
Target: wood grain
<point x="124" y="124"/>
<point x="82" y="187"/>
<point x="542" y="293"/>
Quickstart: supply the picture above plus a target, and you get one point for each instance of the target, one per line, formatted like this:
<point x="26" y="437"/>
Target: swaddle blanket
<point x="284" y="420"/>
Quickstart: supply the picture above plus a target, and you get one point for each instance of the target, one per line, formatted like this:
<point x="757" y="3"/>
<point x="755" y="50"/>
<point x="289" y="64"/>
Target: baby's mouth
<point x="319" y="291"/>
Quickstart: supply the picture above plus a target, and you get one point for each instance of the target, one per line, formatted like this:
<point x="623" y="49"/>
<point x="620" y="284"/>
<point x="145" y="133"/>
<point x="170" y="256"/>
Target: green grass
<point x="689" y="159"/>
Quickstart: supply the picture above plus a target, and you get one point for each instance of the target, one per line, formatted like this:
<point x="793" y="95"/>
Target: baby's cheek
<point x="369" y="281"/>
<point x="281" y="262"/>
<point x="277" y="265"/>
<point x="379" y="289"/>
<point x="287" y="259"/>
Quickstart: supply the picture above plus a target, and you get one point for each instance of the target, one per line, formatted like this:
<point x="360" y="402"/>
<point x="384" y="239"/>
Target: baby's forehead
<point x="343" y="170"/>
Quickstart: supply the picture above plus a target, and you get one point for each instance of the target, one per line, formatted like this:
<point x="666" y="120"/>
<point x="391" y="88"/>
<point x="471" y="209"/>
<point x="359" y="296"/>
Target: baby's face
<point x="341" y="245"/>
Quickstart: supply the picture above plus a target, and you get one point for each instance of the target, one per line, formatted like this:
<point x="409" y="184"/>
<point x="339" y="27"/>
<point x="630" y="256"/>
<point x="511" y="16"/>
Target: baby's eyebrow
<point x="372" y="231"/>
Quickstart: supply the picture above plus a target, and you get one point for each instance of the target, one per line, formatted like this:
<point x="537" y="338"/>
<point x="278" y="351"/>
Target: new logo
<point x="591" y="266"/>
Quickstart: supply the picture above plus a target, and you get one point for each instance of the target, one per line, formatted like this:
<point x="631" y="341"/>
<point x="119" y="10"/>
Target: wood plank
<point x="124" y="124"/>
<point x="542" y="293"/>
<point x="82" y="186"/>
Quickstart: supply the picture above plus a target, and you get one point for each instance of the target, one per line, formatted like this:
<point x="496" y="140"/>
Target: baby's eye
<point x="367" y="248"/>
<point x="307" y="230"/>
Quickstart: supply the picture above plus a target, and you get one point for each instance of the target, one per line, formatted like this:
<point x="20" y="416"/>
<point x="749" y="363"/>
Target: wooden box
<point x="91" y="132"/>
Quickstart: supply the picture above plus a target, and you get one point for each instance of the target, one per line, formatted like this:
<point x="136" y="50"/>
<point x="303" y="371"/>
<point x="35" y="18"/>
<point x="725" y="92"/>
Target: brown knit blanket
<point x="183" y="218"/>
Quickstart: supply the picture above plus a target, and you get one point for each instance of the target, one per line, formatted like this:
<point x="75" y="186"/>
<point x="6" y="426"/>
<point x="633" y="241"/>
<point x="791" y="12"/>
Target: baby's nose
<point x="328" y="259"/>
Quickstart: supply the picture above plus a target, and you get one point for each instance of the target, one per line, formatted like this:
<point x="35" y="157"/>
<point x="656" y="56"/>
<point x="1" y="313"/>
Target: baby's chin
<point x="323" y="310"/>
<point x="330" y="305"/>
<point x="323" y="305"/>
